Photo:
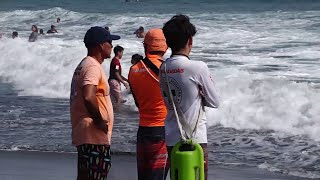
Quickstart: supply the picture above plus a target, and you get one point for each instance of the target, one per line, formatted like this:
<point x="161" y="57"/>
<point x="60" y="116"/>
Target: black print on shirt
<point x="176" y="92"/>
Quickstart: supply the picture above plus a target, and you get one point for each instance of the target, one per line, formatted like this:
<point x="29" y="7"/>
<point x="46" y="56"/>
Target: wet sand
<point x="33" y="165"/>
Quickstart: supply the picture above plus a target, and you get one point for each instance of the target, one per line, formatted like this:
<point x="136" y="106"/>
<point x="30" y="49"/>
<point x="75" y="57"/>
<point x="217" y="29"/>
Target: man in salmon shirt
<point x="144" y="83"/>
<point x="91" y="109"/>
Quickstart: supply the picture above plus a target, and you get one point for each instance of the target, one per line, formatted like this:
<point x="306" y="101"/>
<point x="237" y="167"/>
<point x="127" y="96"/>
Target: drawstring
<point x="173" y="104"/>
<point x="149" y="71"/>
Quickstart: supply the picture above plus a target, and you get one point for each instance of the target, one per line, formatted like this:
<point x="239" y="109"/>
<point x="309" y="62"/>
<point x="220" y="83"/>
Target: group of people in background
<point x="165" y="92"/>
<point x="35" y="32"/>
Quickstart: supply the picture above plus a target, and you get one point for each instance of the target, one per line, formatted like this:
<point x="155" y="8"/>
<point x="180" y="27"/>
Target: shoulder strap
<point x="151" y="66"/>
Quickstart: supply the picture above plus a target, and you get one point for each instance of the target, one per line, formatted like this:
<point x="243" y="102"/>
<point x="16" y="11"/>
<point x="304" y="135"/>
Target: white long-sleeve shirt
<point x="187" y="78"/>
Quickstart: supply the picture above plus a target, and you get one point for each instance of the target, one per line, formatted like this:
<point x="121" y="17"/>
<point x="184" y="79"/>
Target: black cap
<point x="98" y="35"/>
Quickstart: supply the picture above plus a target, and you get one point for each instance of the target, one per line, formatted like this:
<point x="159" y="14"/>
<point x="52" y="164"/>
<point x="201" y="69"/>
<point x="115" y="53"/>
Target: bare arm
<point x="119" y="77"/>
<point x="91" y="103"/>
<point x="123" y="80"/>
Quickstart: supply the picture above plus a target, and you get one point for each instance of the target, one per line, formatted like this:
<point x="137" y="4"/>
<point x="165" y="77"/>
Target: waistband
<point x="111" y="79"/>
<point x="152" y="131"/>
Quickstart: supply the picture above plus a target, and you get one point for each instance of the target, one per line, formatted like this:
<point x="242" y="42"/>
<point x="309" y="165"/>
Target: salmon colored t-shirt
<point x="89" y="71"/>
<point x="146" y="91"/>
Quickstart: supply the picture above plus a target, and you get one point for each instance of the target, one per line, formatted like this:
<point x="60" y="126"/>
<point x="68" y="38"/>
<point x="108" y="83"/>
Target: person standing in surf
<point x="34" y="35"/>
<point x="191" y="85"/>
<point x="139" y="32"/>
<point x="145" y="88"/>
<point x="91" y="108"/>
<point x="116" y="78"/>
<point x="41" y="32"/>
<point x="52" y="30"/>
<point x="14" y="34"/>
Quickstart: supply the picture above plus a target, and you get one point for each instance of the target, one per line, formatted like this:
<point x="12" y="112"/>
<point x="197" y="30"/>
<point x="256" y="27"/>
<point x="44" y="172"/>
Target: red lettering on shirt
<point x="173" y="71"/>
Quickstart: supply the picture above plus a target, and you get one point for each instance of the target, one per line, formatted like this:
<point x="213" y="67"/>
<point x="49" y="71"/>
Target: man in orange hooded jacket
<point x="144" y="83"/>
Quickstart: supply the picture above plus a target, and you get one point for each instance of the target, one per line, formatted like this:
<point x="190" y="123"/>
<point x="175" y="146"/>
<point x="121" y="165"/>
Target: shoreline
<point x="34" y="165"/>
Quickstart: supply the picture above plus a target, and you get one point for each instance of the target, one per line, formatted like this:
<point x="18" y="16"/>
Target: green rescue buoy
<point x="187" y="161"/>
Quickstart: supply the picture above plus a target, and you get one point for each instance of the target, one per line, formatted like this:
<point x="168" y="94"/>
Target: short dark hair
<point x="137" y="57"/>
<point x="117" y="49"/>
<point x="15" y="33"/>
<point x="177" y="31"/>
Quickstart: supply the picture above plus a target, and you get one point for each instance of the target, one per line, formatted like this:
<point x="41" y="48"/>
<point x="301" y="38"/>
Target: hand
<point x="102" y="125"/>
<point x="126" y="84"/>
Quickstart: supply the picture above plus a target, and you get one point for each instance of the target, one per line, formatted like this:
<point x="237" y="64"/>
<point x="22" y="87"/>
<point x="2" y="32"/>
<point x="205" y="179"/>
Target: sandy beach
<point x="264" y="57"/>
<point x="32" y="165"/>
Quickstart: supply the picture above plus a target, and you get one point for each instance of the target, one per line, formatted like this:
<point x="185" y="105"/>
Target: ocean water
<point x="264" y="57"/>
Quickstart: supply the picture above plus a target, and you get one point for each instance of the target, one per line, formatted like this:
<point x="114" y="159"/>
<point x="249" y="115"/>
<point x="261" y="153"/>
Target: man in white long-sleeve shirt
<point x="191" y="85"/>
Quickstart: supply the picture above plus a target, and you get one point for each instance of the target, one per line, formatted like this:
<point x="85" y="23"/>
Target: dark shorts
<point x="94" y="161"/>
<point x="205" y="153"/>
<point x="151" y="153"/>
